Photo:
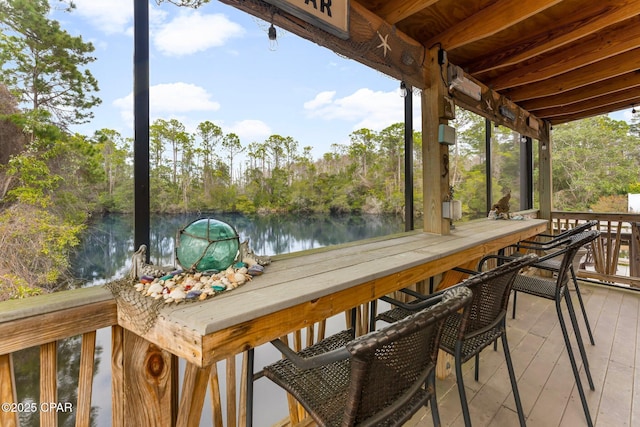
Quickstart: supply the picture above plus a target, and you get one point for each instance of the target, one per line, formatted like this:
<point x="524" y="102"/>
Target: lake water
<point x="105" y="254"/>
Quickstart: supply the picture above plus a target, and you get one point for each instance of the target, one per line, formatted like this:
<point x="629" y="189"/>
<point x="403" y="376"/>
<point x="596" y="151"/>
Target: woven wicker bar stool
<point x="557" y="290"/>
<point x="379" y="379"/>
<point x="483" y="322"/>
<point x="552" y="262"/>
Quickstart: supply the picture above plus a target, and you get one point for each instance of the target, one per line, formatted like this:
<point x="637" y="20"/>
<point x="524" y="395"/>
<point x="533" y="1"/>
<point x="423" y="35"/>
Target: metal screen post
<point x="141" y="124"/>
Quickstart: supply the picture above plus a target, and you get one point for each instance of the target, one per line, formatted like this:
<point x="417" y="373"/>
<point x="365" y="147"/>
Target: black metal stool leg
<point x="574" y="365"/>
<point x="460" y="381"/>
<point x="250" y="379"/>
<point x="574" y="323"/>
<point x="512" y="378"/>
<point x="431" y="385"/>
<point x="584" y="311"/>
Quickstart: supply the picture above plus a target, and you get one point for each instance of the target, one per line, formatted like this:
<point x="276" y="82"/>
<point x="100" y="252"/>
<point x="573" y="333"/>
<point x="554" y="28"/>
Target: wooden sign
<point x="330" y="15"/>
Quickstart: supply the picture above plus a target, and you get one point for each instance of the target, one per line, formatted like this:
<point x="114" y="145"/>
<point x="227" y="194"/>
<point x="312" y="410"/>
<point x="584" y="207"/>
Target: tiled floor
<point x="545" y="379"/>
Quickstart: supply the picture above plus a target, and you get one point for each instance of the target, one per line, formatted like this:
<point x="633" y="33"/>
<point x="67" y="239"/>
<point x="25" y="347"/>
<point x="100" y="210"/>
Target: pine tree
<point x="44" y="66"/>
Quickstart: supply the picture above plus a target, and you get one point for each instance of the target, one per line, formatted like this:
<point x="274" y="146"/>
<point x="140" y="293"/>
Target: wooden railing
<point x="43" y="321"/>
<point x="619" y="241"/>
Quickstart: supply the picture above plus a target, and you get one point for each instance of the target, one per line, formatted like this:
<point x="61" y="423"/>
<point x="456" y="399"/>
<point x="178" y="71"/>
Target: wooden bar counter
<point x="309" y="286"/>
<point x="295" y="291"/>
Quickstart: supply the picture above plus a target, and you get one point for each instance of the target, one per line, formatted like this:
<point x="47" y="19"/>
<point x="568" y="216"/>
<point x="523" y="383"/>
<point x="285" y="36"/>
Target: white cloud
<point x="321" y="99"/>
<point x="170" y="99"/>
<point x="250" y="130"/>
<point x="369" y="109"/>
<point x="190" y="32"/>
<point x="113" y="16"/>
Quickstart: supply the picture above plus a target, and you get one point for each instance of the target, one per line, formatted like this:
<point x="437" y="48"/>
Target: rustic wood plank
<point x="20" y="309"/>
<point x="7" y="391"/>
<point x="21" y="333"/>
<point x="231" y="391"/>
<point x="148" y="379"/>
<point x="85" y="379"/>
<point x="117" y="377"/>
<point x="216" y="403"/>
<point x="48" y="382"/>
<point x="435" y="156"/>
<point x="193" y="392"/>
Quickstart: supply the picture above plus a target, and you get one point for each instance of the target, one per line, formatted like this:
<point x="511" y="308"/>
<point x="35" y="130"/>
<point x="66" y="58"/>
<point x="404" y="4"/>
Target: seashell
<point x="155" y="288"/>
<point x="239" y="278"/>
<point x="225" y="281"/>
<point x="139" y="287"/>
<point x="156" y="296"/>
<point x="219" y="288"/>
<point x="243" y="270"/>
<point x="178" y="294"/>
<point x="230" y="270"/>
<point x="197" y="276"/>
<point x="168" y="300"/>
<point x="203" y="296"/>
<point x="193" y="294"/>
<point x="255" y="270"/>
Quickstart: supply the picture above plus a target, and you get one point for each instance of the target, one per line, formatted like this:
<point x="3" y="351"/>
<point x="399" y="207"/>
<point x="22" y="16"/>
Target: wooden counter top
<point x="299" y="289"/>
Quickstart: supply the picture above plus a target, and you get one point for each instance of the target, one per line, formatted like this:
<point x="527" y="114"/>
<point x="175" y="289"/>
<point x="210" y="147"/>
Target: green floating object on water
<point x="207" y="244"/>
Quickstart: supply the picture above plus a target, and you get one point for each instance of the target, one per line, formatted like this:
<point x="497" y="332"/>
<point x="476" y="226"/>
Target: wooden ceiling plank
<point x="603" y="70"/>
<point x="488" y="21"/>
<point x="594" y="112"/>
<point x="623" y="96"/>
<point x="626" y="82"/>
<point x="608" y="43"/>
<point x="590" y="19"/>
<point x="394" y="11"/>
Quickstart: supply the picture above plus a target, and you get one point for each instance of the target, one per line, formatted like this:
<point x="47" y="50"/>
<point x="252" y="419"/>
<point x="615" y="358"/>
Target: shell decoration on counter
<point x="173" y="285"/>
<point x="179" y="286"/>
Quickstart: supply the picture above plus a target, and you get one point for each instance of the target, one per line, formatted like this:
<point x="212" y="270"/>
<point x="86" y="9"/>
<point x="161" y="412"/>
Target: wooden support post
<point x="194" y="388"/>
<point x="435" y="156"/>
<point x="48" y="382"/>
<point x="634" y="250"/>
<point x="85" y="379"/>
<point x="144" y="382"/>
<point x="216" y="401"/>
<point x="7" y="390"/>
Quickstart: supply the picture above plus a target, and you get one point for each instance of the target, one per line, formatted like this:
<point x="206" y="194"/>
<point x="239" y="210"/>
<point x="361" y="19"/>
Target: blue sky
<point x="215" y="63"/>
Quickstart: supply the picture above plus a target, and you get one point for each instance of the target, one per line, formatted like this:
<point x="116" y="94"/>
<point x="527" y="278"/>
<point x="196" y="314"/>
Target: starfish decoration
<point x="489" y="106"/>
<point x="385" y="44"/>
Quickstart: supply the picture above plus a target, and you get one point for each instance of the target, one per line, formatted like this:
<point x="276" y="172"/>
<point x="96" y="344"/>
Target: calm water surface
<point x="105" y="254"/>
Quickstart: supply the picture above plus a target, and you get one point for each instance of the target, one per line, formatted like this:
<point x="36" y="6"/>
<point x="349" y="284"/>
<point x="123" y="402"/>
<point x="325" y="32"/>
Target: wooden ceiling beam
<point x="589" y="19"/>
<point x="594" y="112"/>
<point x="403" y="61"/>
<point x="394" y="11"/>
<point x="623" y="96"/>
<point x="597" y="72"/>
<point x="600" y="46"/>
<point x="488" y="21"/>
<point x="625" y="82"/>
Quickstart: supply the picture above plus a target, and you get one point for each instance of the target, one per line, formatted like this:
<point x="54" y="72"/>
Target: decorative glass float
<point x="207" y="244"/>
